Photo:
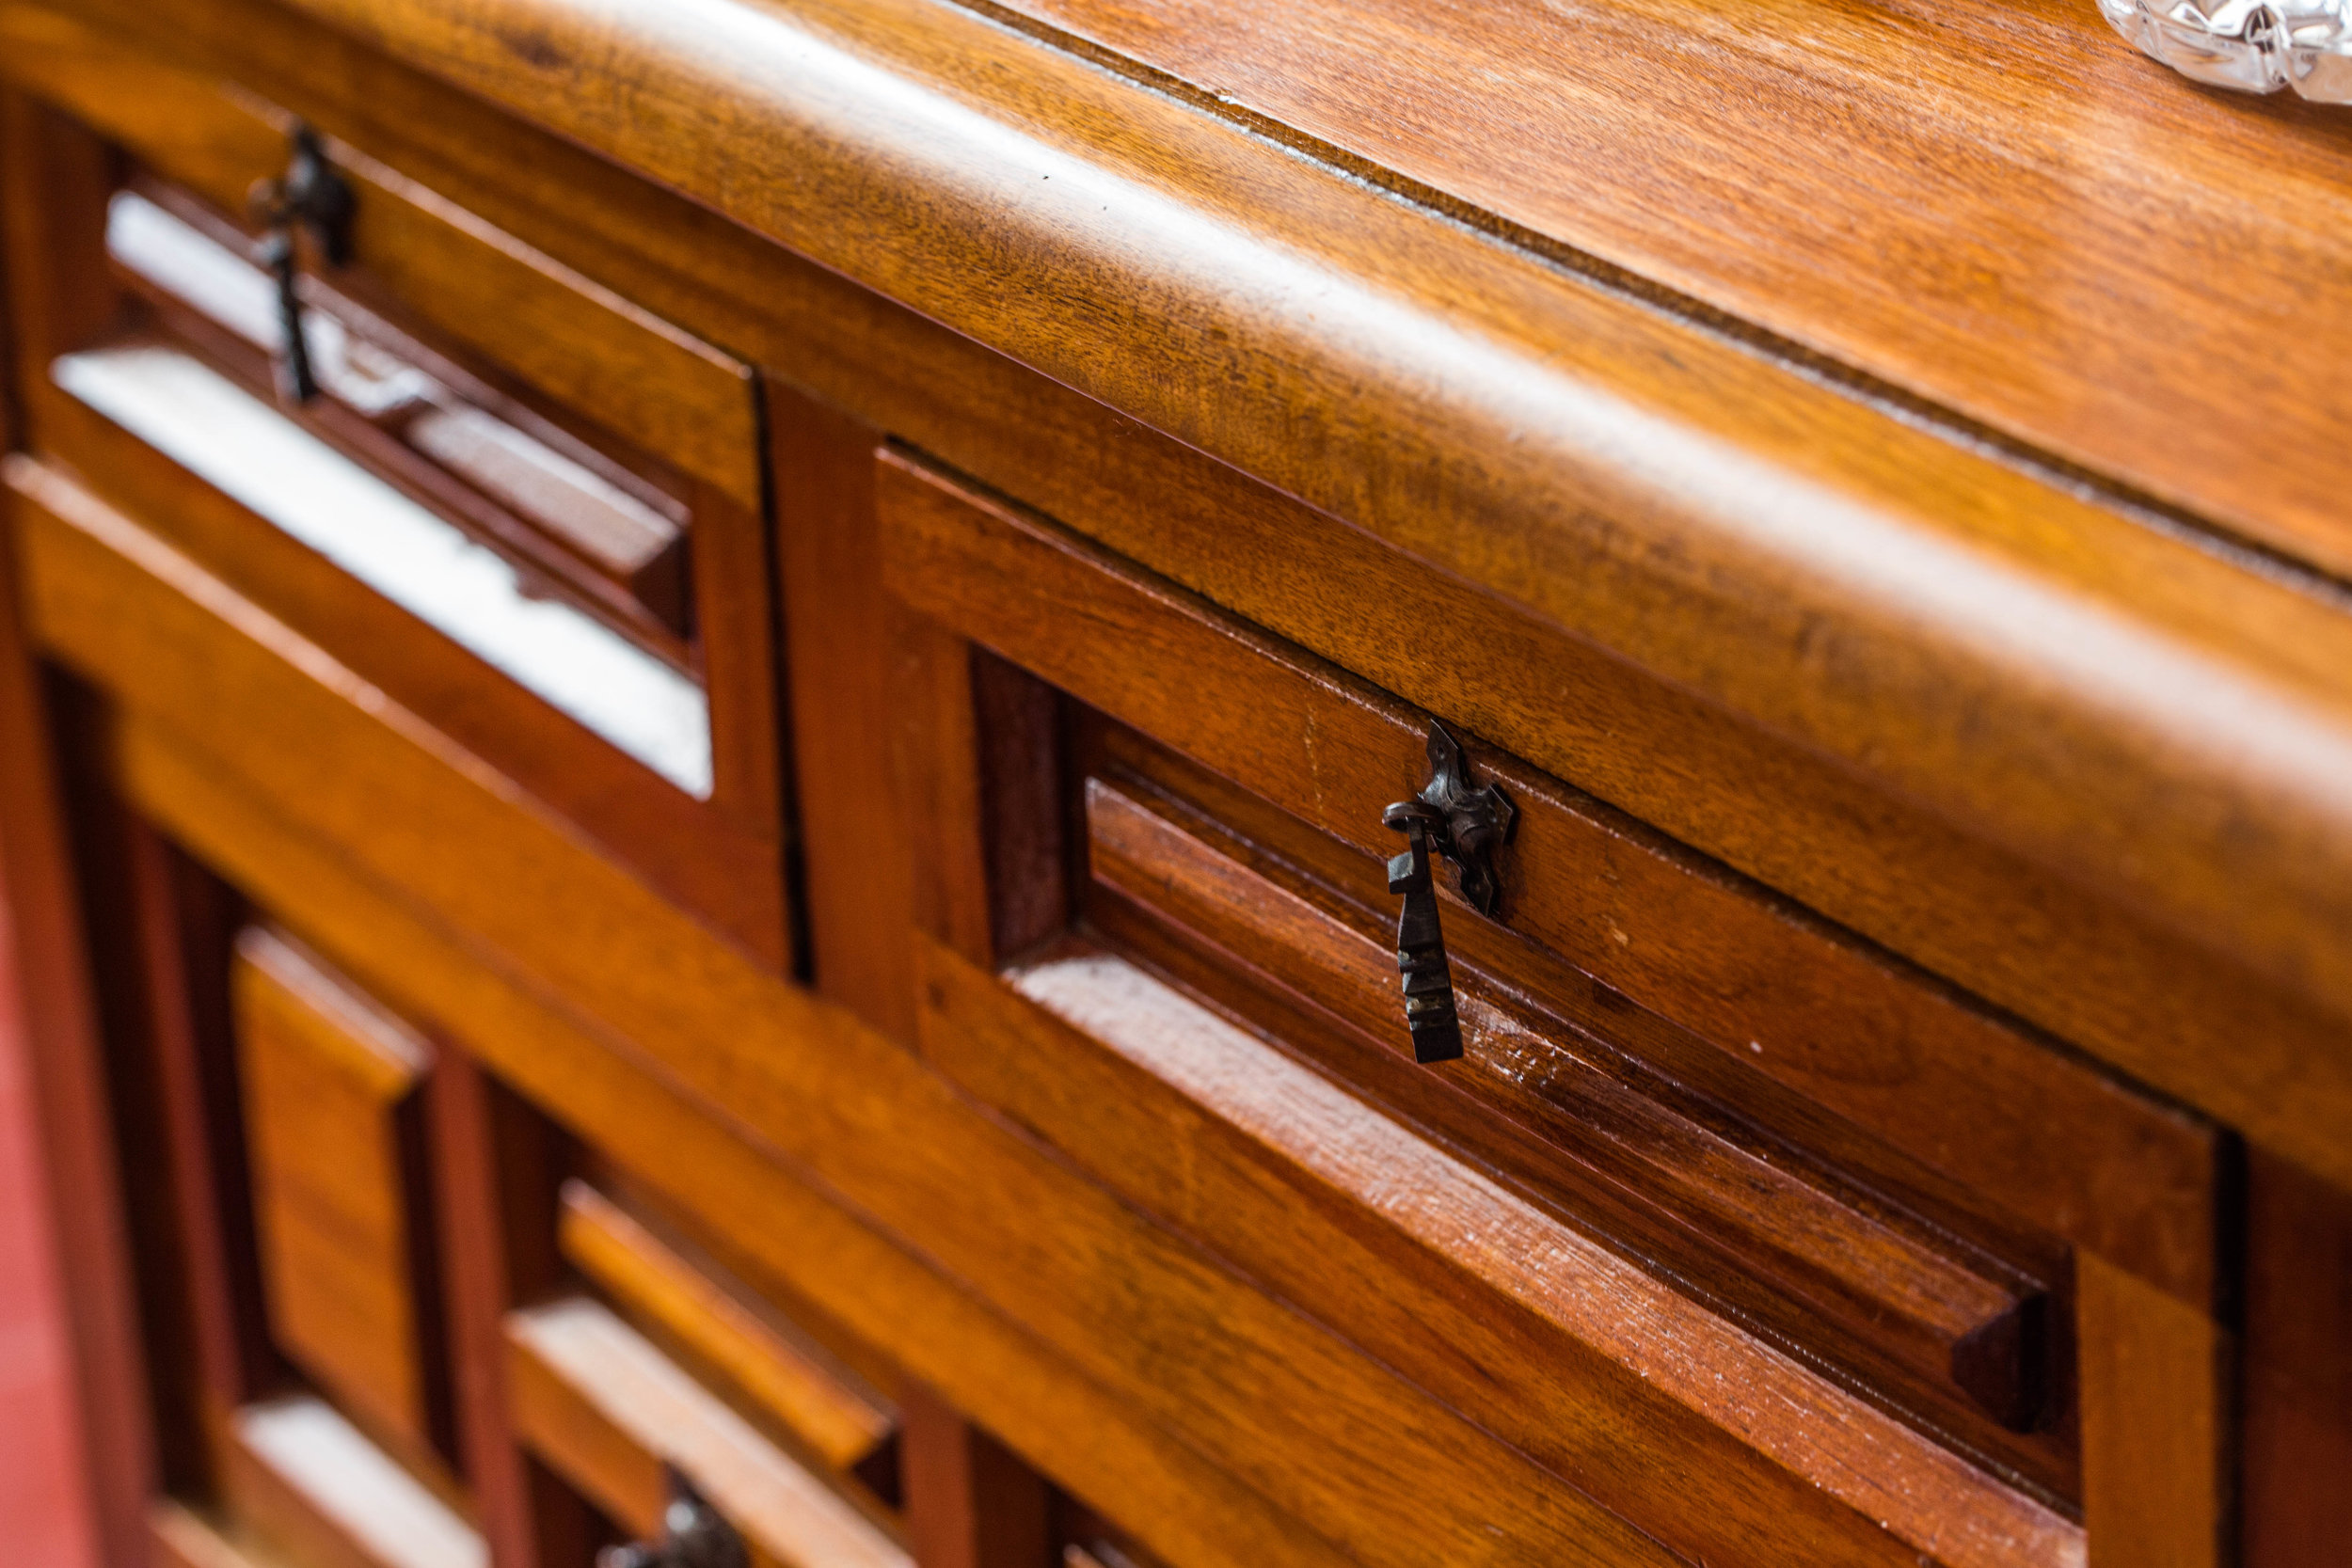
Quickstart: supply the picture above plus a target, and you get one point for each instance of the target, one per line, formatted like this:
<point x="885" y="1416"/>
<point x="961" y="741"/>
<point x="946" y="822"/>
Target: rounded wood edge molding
<point x="2146" y="716"/>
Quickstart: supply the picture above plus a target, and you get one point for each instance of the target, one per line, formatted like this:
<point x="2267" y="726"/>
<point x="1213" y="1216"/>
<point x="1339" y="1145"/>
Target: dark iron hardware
<point x="693" y="1535"/>
<point x="1451" y="820"/>
<point x="308" y="198"/>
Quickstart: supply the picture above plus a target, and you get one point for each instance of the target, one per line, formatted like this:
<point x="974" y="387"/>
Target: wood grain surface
<point x="1950" y="1319"/>
<point x="1575" y="1356"/>
<point x="2117" y="701"/>
<point x="1796" y="1004"/>
<point x="972" y="1502"/>
<point x="329" y="1113"/>
<point x="2138" y="993"/>
<point x="604" y="1406"/>
<point x="1992" y="206"/>
<point x="1191" y="1510"/>
<point x="838" y="1422"/>
<point x="1298" y="1415"/>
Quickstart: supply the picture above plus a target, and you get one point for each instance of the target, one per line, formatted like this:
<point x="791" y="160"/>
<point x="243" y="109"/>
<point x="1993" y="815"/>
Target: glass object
<point x="2251" y="45"/>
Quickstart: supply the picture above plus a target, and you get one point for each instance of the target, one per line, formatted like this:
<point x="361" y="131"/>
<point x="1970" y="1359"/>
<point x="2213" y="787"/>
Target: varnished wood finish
<point x="614" y="369"/>
<point x="591" y="350"/>
<point x="328" y="1081"/>
<point x="1088" y="445"/>
<point x="1265" y="1150"/>
<point x="495" y="1178"/>
<point x="1790" y="1000"/>
<point x="1566" y="448"/>
<point x="1192" y="1510"/>
<point x="770" y="1028"/>
<point x="307" y="1481"/>
<point x="2032" y="246"/>
<point x="2155" y="1489"/>
<point x="1956" y="1321"/>
<point x="2297" y="1385"/>
<point x="837" y="1421"/>
<point x="816" y="1085"/>
<point x="2104" y="976"/>
<point x="609" y="1410"/>
<point x="975" y="1503"/>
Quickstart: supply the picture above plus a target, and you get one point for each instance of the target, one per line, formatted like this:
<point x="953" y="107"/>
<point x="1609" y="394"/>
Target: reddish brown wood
<point x="765" y="1363"/>
<point x="332" y="1122"/>
<point x="2156" y="1415"/>
<point x="937" y="753"/>
<point x="1565" y="1125"/>
<point x="1959" y="247"/>
<point x="1799" y="1002"/>
<point x="785" y="1229"/>
<point x="1678" y="497"/>
<point x="969" y="1502"/>
<point x="1017" y="721"/>
<point x="708" y="858"/>
<point x="494" y="1183"/>
<point x="2041" y="947"/>
<point x="57" y="176"/>
<point x="1579" y="1359"/>
<point x="793" y="1073"/>
<point x="855" y="858"/>
<point x="2297" y="1374"/>
<point x="185" y="924"/>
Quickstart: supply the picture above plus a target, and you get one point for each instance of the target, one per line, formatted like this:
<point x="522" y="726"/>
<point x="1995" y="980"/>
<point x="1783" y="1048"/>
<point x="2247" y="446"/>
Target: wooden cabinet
<point x="950" y="791"/>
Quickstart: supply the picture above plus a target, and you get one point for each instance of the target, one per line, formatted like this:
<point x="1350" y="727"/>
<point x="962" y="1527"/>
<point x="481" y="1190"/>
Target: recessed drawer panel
<point x="336" y="1148"/>
<point x="530" y="510"/>
<point x="1697" y="1154"/>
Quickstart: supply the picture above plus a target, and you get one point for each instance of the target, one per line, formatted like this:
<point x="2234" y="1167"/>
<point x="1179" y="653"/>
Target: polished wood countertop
<point x="1991" y="207"/>
<point x="1942" y="389"/>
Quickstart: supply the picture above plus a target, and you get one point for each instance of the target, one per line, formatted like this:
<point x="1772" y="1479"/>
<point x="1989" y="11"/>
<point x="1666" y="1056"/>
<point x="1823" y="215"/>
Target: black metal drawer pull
<point x="693" y="1535"/>
<point x="1450" y="820"/>
<point x="309" y="196"/>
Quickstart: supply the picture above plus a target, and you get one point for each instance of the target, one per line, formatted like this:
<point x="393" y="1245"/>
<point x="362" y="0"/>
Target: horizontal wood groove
<point x="1256" y="1385"/>
<point x="1881" y="1283"/>
<point x="2045" y="673"/>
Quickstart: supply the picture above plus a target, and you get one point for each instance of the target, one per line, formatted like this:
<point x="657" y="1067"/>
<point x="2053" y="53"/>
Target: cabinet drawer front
<point x="1171" y="850"/>
<point x="606" y="1409"/>
<point x="527" y="507"/>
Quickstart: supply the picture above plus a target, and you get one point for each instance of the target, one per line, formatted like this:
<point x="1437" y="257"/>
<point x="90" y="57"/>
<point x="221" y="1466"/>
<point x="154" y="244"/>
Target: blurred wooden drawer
<point x="1716" y="1197"/>
<point x="335" y="1145"/>
<point x="528" y="509"/>
<point x="678" y="1390"/>
<point x="307" y="1481"/>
